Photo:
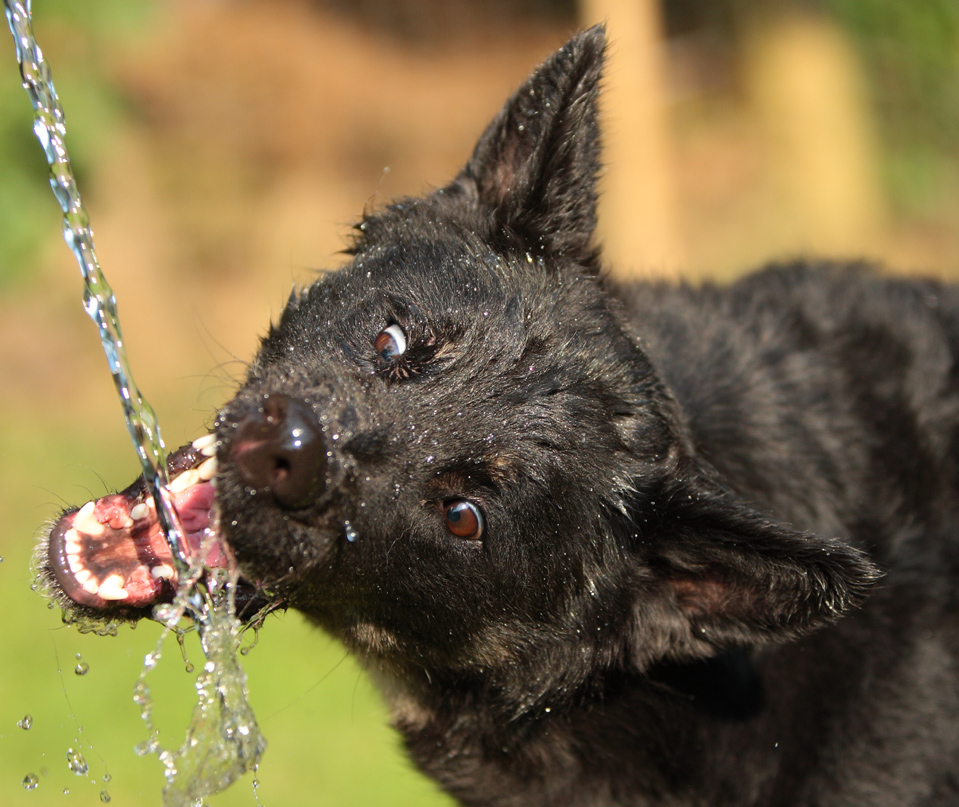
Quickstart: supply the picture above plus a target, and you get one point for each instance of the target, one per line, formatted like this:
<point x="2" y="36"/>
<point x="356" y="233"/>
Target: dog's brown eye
<point x="464" y="519"/>
<point x="390" y="343"/>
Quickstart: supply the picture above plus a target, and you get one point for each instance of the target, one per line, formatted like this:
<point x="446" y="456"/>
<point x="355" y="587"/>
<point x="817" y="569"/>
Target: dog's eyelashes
<point x="391" y="343"/>
<point x="463" y="519"/>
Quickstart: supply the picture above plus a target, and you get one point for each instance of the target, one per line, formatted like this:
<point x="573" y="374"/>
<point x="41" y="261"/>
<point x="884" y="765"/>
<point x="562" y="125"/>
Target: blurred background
<point x="224" y="147"/>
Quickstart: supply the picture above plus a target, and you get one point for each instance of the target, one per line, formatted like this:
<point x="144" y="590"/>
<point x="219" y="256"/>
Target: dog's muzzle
<point x="278" y="448"/>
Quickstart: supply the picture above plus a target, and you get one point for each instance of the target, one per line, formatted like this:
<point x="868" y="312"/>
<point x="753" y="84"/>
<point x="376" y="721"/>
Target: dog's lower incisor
<point x="601" y="544"/>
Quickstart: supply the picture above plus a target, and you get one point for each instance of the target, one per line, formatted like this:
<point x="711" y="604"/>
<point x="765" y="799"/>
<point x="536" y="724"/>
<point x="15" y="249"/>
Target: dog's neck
<point x="674" y="724"/>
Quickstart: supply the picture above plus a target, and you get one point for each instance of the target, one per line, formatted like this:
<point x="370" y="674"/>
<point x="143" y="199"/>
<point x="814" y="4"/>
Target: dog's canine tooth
<point x="206" y="445"/>
<point x="86" y="522"/>
<point x="112" y="588"/>
<point x="185" y="480"/>
<point x="207" y="469"/>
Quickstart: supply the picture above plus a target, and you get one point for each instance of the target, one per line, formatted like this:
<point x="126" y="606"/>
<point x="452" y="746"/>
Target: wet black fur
<point x="721" y="550"/>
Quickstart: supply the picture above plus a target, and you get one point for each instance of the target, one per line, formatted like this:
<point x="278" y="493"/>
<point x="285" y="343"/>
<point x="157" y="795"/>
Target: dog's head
<point x="453" y="454"/>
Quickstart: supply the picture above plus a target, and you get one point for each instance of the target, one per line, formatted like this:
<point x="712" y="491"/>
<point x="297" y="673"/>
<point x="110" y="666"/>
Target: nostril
<point x="279" y="448"/>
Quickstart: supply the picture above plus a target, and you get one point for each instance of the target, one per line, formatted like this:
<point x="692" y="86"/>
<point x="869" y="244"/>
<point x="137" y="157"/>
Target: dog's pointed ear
<point x="717" y="573"/>
<point x="533" y="171"/>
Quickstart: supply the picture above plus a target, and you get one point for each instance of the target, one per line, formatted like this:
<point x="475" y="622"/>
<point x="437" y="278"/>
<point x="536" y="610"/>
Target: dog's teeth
<point x="139" y="511"/>
<point x="206" y="445"/>
<point x="81" y="575"/>
<point x="91" y="586"/>
<point x="86" y="522"/>
<point x="75" y="564"/>
<point x="71" y="542"/>
<point x="207" y="469"/>
<point x="112" y="588"/>
<point x="165" y="572"/>
<point x="185" y="480"/>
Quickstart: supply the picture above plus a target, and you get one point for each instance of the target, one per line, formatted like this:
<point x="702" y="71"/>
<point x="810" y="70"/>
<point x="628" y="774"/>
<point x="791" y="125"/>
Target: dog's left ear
<point x="717" y="573"/>
<point x="533" y="172"/>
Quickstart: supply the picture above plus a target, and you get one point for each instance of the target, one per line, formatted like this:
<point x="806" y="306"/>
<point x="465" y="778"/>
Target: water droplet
<point x="77" y="763"/>
<point x="351" y="535"/>
<point x="104" y="796"/>
<point x="30" y="781"/>
<point x="189" y="667"/>
<point x="167" y="613"/>
<point x="66" y="791"/>
<point x="25" y="722"/>
<point x="82" y="668"/>
<point x="107" y="777"/>
<point x="141" y="693"/>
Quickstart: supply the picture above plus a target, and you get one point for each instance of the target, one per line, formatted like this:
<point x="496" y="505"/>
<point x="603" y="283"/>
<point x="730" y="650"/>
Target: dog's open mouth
<point x="111" y="553"/>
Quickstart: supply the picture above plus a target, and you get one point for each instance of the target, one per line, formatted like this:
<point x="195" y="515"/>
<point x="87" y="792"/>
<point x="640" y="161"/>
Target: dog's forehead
<point x="426" y="280"/>
<point x="433" y="270"/>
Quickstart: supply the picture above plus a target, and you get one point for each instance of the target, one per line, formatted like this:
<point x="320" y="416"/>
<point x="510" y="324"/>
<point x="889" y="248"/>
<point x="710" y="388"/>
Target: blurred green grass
<point x="80" y="35"/>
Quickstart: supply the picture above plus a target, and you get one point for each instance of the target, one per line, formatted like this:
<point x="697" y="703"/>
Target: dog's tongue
<point x="111" y="553"/>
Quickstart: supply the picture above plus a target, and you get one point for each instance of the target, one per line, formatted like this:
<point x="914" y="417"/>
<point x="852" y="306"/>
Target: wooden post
<point x="637" y="212"/>
<point x="809" y="92"/>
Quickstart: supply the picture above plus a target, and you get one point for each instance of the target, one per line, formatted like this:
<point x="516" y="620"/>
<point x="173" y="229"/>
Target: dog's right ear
<point x="719" y="574"/>
<point x="532" y="176"/>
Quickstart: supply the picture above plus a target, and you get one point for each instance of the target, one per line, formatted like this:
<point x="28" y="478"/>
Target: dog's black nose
<point x="280" y="448"/>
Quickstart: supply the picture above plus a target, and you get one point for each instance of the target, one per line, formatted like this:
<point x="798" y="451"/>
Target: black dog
<point x="601" y="544"/>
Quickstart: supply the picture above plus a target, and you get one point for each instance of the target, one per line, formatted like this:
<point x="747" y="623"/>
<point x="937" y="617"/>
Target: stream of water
<point x="223" y="740"/>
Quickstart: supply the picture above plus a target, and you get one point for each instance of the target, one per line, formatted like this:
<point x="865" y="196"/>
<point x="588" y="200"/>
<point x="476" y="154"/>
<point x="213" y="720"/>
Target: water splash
<point x="99" y="300"/>
<point x="223" y="741"/>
